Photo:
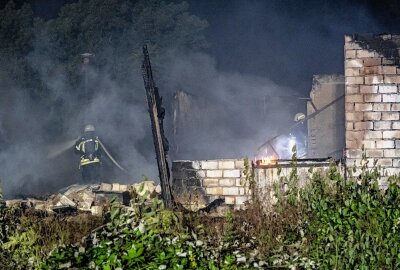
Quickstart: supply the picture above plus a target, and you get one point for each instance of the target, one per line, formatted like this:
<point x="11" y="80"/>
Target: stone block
<point x="239" y="164"/>
<point x="392" y="79"/>
<point x="241" y="199"/>
<point x="362" y="107"/>
<point x="373" y="134"/>
<point x="368" y="89"/>
<point x="209" y="164"/>
<point x="363" y="125"/>
<point x="374" y="116"/>
<point x="229" y="200"/>
<point x="382" y="125"/>
<point x="352" y="72"/>
<point x="369" y="62"/>
<point x="210" y="182"/>
<point x="214" y="191"/>
<point x="226" y="164"/>
<point x="384" y="144"/>
<point x="387" y="89"/>
<point x="354" y="116"/>
<point x="375" y="79"/>
<point x="372" y="98"/>
<point x="353" y="63"/>
<point x="376" y="153"/>
<point x="232" y="191"/>
<point x="391" y="134"/>
<point x="227" y="182"/>
<point x="352" y="89"/>
<point x="354" y="98"/>
<point x="391" y="97"/>
<point x="232" y="173"/>
<point x="381" y="107"/>
<point x="354" y="80"/>
<point x="214" y="173"/>
<point x="390" y="115"/>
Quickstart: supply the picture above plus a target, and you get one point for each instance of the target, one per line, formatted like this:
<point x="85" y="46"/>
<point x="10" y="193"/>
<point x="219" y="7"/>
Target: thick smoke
<point x="243" y="87"/>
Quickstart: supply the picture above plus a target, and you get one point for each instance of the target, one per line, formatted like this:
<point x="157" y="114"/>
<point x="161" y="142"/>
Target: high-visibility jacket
<point x="88" y="148"/>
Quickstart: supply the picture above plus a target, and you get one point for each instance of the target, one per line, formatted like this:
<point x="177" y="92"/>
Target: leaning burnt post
<point x="157" y="113"/>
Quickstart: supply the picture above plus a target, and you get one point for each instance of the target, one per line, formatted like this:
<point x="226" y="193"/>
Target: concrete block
<point x="362" y="107"/>
<point x="241" y="199"/>
<point x="372" y="98"/>
<point x="354" y="98"/>
<point x="226" y="164"/>
<point x="390" y="115"/>
<point x="392" y="79"/>
<point x="209" y="164"/>
<point x="374" y="116"/>
<point x="239" y="164"/>
<point x="353" y="63"/>
<point x="368" y="89"/>
<point x="214" y="191"/>
<point x="375" y="79"/>
<point x="381" y="107"/>
<point x="229" y="199"/>
<point x="232" y="173"/>
<point x="214" y="173"/>
<point x="233" y="191"/>
<point x="354" y="80"/>
<point x="369" y="62"/>
<point x="387" y="89"/>
<point x="377" y="153"/>
<point x="391" y="134"/>
<point x="115" y="187"/>
<point x="391" y="97"/>
<point x="210" y="182"/>
<point x="352" y="89"/>
<point x="384" y="144"/>
<point x="227" y="182"/>
<point x="373" y="134"/>
<point x="382" y="125"/>
<point x="363" y="125"/>
<point x="354" y="116"/>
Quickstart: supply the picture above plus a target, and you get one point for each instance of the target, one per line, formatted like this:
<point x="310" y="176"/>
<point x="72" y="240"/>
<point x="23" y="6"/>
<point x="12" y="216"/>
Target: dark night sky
<point x="286" y="41"/>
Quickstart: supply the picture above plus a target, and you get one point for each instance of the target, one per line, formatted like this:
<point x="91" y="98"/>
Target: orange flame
<point x="267" y="161"/>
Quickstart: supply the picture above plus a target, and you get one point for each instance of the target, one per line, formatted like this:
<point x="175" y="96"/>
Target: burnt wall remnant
<point x="372" y="78"/>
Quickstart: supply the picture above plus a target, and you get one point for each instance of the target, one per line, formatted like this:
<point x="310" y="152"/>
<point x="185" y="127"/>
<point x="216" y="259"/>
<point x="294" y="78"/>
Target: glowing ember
<point x="266" y="161"/>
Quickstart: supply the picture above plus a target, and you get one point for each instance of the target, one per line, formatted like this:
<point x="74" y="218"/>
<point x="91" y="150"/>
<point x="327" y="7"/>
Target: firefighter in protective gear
<point x="88" y="148"/>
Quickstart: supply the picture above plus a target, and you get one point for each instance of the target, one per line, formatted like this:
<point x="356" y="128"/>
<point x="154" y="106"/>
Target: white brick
<point x="391" y="134"/>
<point x="390" y="116"/>
<point x="226" y="182"/>
<point x="381" y="107"/>
<point x="353" y="153"/>
<point x="389" y="70"/>
<point x="376" y="79"/>
<point x="354" y="98"/>
<point x="385" y="162"/>
<point x="354" y="116"/>
<point x="363" y="125"/>
<point x="395" y="107"/>
<point x="352" y="89"/>
<point x="368" y="89"/>
<point x="383" y="144"/>
<point x="214" y="191"/>
<point x="368" y="144"/>
<point x="396" y="125"/>
<point x="361" y="107"/>
<point x="239" y="164"/>
<point x="349" y="125"/>
<point x="374" y="153"/>
<point x="229" y="199"/>
<point x="391" y="97"/>
<point x="365" y="53"/>
<point x="392" y="79"/>
<point x="214" y="173"/>
<point x="373" y="134"/>
<point x="372" y="98"/>
<point x="352" y="72"/>
<point x="354" y="80"/>
<point x="209" y="164"/>
<point x="369" y="62"/>
<point x="382" y="125"/>
<point x="392" y="153"/>
<point x="201" y="173"/>
<point x="232" y="173"/>
<point x="387" y="89"/>
<point x="233" y="191"/>
<point x="210" y="182"/>
<point x="241" y="199"/>
<point x="354" y="135"/>
<point x="350" y="54"/>
<point x="354" y="63"/>
<point x="226" y="164"/>
<point x="372" y="116"/>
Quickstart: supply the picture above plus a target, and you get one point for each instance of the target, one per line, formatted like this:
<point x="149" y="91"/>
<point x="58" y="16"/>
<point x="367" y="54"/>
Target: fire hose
<point x="111" y="158"/>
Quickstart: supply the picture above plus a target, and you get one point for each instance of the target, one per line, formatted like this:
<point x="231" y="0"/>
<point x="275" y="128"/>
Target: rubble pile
<point x="91" y="198"/>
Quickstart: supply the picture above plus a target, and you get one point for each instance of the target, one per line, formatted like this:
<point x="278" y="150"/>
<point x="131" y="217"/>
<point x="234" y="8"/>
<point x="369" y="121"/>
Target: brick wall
<point x="372" y="79"/>
<point x="211" y="179"/>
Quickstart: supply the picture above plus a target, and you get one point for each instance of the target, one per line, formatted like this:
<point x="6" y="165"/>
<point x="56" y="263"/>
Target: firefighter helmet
<point x="89" y="128"/>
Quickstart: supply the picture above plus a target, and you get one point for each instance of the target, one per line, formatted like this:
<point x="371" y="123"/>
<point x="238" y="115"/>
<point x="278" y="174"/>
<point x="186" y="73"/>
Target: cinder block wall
<point x="212" y="179"/>
<point x="372" y="96"/>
